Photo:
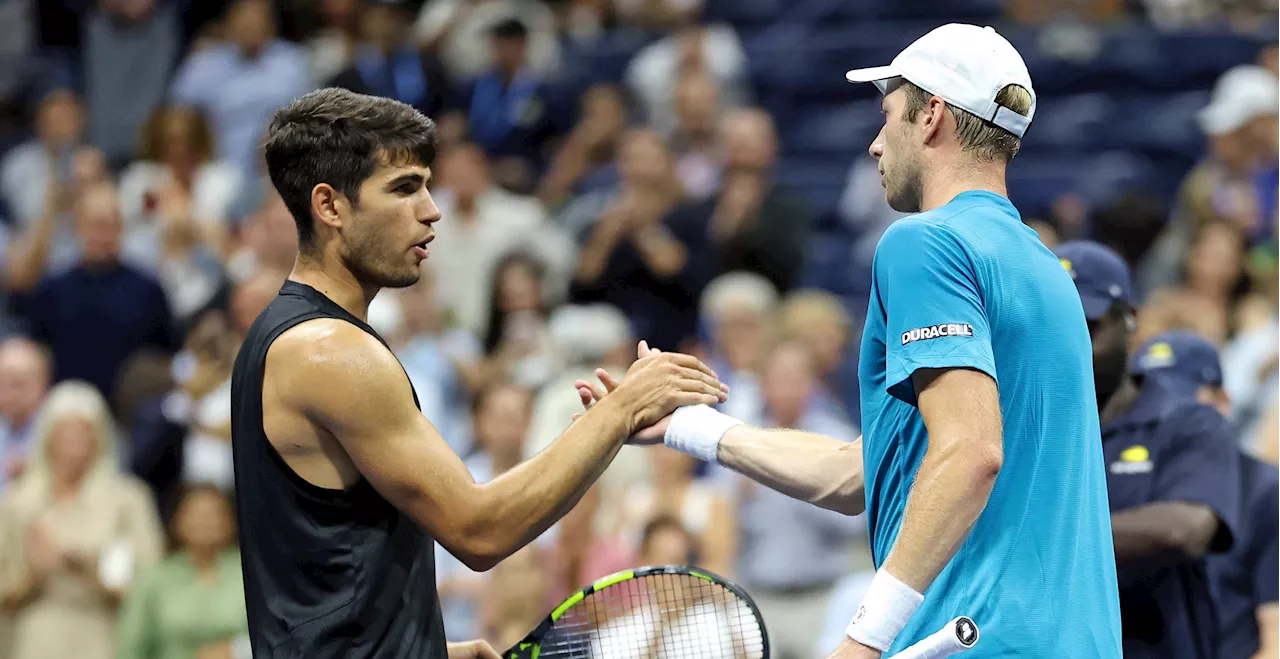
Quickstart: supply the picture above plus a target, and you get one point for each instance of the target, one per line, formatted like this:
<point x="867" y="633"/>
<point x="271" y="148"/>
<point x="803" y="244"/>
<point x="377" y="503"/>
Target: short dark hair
<point x="509" y="28"/>
<point x="339" y="137"/>
<point x="987" y="141"/>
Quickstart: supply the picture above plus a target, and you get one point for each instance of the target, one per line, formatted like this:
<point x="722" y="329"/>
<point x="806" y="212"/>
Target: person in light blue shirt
<point x="981" y="468"/>
<point x="241" y="83"/>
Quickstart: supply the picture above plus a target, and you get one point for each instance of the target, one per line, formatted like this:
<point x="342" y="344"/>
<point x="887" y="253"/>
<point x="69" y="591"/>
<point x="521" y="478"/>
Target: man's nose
<point x="877" y="145"/>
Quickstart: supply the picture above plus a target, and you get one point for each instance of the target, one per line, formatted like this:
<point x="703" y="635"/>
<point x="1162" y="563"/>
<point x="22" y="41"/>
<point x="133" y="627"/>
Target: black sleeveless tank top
<point x="327" y="573"/>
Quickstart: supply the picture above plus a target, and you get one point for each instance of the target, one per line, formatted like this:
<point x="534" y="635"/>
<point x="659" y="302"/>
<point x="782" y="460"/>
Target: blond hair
<point x="985" y="140"/>
<point x="72" y="399"/>
<point x="807" y="308"/>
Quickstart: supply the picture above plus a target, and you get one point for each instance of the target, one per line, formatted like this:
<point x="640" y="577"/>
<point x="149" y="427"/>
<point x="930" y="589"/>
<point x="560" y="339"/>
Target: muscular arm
<point x="1166" y="531"/>
<point x="821" y="470"/>
<point x="349" y="384"/>
<point x="961" y="411"/>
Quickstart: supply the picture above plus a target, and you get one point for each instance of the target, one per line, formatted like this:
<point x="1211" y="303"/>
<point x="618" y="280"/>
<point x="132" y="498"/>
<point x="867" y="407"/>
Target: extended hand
<point x="851" y="649"/>
<point x="472" y="650"/>
<point x="652" y="433"/>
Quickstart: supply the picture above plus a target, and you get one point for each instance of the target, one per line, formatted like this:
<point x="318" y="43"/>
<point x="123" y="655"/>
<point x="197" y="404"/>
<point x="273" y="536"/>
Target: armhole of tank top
<point x="324" y="495"/>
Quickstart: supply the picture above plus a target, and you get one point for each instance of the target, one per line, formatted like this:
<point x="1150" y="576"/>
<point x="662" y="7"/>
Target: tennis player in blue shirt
<point x="981" y="468"/>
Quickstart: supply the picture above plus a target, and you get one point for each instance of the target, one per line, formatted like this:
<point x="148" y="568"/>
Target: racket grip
<point x="955" y="637"/>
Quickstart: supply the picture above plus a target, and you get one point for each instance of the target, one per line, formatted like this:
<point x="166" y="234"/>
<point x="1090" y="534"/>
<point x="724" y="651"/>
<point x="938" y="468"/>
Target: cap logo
<point x="1066" y="264"/>
<point x="1159" y="355"/>
<point x="1135" y="454"/>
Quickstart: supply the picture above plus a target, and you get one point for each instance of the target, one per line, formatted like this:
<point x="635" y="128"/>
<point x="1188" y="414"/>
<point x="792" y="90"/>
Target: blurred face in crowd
<point x="1110" y="337"/>
<point x="178" y="138"/>
<point x="897" y="150"/>
<point x="98" y="225"/>
<point x="668" y="544"/>
<point x="272" y="234"/>
<point x="337" y="13"/>
<point x="73" y="448"/>
<point x="741" y="335"/>
<point x="750" y="141"/>
<point x="1214" y="262"/>
<point x="697" y="104"/>
<point x="59" y="120"/>
<point x="789" y="383"/>
<point x="1235" y="150"/>
<point x="671" y="467"/>
<point x="203" y="523"/>
<point x="382" y="234"/>
<point x="250" y="25"/>
<point x="1266" y="136"/>
<point x="418" y="304"/>
<point x="821" y="327"/>
<point x="383" y="25"/>
<point x="519" y="287"/>
<point x="508" y="53"/>
<point x="605" y="109"/>
<point x="252" y="295"/>
<point x="465" y="170"/>
<point x="502" y="421"/>
<point x="24" y="380"/>
<point x="644" y="160"/>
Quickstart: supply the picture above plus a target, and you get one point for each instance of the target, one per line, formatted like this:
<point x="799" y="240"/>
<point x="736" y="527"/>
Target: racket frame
<point x="531" y="645"/>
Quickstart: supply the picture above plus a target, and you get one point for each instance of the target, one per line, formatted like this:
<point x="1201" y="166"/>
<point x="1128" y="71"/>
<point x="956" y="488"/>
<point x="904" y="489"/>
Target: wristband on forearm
<point x="884" y="611"/>
<point x="696" y="430"/>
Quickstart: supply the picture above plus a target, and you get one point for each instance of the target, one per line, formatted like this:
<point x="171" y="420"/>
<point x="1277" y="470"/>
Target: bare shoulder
<point x="327" y="367"/>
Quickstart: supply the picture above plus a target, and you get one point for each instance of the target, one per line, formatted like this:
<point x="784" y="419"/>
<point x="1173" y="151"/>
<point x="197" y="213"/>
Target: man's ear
<point x="934" y="114"/>
<point x="328" y="206"/>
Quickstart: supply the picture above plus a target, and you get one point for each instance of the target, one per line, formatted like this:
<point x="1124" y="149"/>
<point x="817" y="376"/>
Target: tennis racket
<point x="662" y="612"/>
<point x="955" y="637"/>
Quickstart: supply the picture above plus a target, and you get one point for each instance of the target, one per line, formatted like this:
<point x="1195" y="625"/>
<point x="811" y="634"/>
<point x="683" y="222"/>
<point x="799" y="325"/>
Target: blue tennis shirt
<point x="968" y="285"/>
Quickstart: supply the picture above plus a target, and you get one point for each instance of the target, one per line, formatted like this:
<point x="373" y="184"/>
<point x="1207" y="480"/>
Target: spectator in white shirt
<point x="483" y="222"/>
<point x="714" y="49"/>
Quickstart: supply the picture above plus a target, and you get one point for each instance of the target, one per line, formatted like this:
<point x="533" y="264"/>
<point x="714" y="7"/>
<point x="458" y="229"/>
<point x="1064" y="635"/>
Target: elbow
<point x="1195" y="537"/>
<point x="483" y="545"/>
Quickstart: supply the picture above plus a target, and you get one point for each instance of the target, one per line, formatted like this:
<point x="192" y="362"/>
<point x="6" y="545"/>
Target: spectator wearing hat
<point x="512" y="111"/>
<point x="1172" y="477"/>
<point x="385" y="64"/>
<point x="1236" y="183"/>
<point x="1245" y="579"/>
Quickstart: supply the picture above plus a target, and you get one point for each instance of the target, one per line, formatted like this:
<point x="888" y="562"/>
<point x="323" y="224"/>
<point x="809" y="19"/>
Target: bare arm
<point x="822" y="470"/>
<point x="1268" y="631"/>
<point x="662" y="253"/>
<point x="1166" y="531"/>
<point x="352" y="386"/>
<point x="961" y="412"/>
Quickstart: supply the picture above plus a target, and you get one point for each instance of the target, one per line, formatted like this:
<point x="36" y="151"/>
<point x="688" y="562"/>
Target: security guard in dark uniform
<point x="1173" y="477"/>
<point x="1245" y="580"/>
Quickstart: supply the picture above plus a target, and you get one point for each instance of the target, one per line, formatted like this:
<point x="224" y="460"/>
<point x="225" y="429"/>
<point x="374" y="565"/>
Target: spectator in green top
<point x="191" y="605"/>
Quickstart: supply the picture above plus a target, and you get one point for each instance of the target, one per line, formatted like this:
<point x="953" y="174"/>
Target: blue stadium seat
<point x="845" y="129"/>
<point x="819" y="181"/>
<point x="1071" y="122"/>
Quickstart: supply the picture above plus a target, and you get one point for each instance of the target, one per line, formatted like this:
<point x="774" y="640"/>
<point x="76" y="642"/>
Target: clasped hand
<point x="652" y="428"/>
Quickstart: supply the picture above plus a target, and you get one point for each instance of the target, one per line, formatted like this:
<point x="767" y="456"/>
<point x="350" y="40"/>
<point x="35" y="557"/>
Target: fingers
<point x="684" y="398"/>
<point x="689" y="361"/>
<point x="585" y="396"/>
<point x="610" y="383"/>
<point x="643" y="350"/>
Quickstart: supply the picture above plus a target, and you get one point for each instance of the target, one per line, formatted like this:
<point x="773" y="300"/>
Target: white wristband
<point x="885" y="610"/>
<point x="696" y="430"/>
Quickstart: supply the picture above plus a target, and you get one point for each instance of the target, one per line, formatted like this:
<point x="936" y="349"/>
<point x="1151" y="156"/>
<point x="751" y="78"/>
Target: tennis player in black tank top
<point x="342" y="486"/>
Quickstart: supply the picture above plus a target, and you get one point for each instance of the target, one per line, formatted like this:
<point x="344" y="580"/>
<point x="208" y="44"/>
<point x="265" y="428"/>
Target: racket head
<point x="652" y="612"/>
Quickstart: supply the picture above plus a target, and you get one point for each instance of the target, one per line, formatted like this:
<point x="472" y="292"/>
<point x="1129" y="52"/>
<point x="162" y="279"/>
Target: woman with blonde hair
<point x="73" y="532"/>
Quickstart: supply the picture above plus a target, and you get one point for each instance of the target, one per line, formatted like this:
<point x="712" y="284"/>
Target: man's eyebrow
<point x="400" y="180"/>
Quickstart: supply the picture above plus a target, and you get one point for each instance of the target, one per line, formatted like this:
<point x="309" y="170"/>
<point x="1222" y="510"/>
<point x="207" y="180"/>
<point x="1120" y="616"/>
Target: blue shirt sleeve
<point x="1266" y="563"/>
<point x="1202" y="466"/>
<point x="934" y="311"/>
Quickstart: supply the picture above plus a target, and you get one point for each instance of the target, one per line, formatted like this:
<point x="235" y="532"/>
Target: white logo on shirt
<point x="937" y="331"/>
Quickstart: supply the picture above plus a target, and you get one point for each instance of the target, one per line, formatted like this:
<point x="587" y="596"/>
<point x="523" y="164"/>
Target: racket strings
<point x="659" y="616"/>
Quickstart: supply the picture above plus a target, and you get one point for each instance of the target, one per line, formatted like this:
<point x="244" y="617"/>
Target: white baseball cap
<point x="1240" y="95"/>
<point x="967" y="66"/>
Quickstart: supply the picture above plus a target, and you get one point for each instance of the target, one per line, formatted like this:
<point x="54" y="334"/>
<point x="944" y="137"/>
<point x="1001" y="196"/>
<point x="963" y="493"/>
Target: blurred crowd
<point x="140" y="239"/>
